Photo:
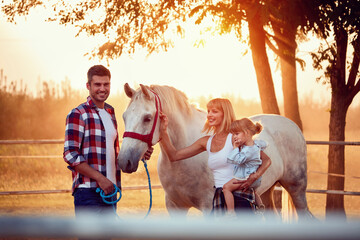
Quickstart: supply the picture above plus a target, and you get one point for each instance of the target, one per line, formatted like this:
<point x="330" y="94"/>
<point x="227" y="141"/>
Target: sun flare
<point x="200" y="64"/>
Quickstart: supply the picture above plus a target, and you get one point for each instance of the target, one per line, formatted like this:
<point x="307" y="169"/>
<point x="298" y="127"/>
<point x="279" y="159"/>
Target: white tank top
<point x="223" y="171"/>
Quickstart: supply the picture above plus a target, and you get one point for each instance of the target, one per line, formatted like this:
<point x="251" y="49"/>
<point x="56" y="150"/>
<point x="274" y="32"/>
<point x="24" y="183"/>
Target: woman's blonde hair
<point x="224" y="105"/>
<point x="245" y="125"/>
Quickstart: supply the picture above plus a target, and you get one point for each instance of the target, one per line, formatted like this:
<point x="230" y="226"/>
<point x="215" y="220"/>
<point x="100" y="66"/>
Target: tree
<point x="289" y="21"/>
<point x="230" y="16"/>
<point x="286" y="18"/>
<point x="257" y="38"/>
<point x="128" y="25"/>
<point x="340" y="21"/>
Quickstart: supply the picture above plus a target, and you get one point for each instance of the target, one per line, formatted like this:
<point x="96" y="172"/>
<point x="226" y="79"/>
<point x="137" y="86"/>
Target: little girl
<point x="246" y="156"/>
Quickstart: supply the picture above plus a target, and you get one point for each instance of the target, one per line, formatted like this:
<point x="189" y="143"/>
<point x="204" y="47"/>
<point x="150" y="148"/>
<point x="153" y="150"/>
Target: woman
<point x="218" y="145"/>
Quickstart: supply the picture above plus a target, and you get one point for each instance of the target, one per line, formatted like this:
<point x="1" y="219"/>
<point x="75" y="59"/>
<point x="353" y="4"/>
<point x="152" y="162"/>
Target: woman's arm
<point x="170" y="150"/>
<point x="266" y="162"/>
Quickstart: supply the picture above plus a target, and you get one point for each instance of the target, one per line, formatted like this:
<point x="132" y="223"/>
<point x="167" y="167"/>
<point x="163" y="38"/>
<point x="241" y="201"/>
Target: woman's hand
<point x="164" y="121"/>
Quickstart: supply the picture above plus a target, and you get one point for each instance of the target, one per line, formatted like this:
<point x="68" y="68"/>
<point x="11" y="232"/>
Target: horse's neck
<point x="184" y="130"/>
<point x="177" y="131"/>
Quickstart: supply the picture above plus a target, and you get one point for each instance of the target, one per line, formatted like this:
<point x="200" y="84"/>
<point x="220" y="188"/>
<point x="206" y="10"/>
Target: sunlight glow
<point x="200" y="64"/>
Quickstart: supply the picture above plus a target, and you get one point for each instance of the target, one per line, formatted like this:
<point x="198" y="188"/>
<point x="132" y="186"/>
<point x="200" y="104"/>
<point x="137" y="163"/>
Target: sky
<point x="33" y="49"/>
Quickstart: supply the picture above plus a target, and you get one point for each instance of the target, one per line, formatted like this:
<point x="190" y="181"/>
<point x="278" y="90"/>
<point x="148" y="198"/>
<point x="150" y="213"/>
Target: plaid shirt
<point x="85" y="142"/>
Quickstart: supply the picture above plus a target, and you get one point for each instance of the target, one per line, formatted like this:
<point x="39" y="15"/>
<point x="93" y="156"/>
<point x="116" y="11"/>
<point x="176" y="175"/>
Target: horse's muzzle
<point x="128" y="167"/>
<point x="128" y="161"/>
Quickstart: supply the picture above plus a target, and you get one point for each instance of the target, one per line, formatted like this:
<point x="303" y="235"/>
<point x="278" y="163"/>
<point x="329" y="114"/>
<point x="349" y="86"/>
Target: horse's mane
<point x="173" y="99"/>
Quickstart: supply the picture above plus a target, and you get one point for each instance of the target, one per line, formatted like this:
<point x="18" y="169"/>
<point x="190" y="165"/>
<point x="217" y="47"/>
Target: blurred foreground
<point x="130" y="227"/>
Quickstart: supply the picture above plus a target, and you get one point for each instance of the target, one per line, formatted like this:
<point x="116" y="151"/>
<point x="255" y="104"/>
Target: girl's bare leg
<point x="228" y="188"/>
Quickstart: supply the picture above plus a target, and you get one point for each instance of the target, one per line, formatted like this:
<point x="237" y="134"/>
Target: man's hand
<point x="148" y="153"/>
<point x="106" y="185"/>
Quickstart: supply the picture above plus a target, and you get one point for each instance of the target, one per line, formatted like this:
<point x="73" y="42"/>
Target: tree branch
<point x="355" y="63"/>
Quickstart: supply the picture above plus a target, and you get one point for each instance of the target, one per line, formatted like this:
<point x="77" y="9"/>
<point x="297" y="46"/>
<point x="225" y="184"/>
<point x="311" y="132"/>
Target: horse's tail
<point x="288" y="210"/>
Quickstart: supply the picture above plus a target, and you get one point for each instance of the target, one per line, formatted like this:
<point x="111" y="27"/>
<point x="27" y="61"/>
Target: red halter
<point x="148" y="137"/>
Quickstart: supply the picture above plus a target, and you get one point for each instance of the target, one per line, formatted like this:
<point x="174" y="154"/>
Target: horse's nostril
<point x="128" y="166"/>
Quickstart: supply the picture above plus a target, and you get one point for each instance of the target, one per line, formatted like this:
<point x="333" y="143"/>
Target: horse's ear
<point x="128" y="90"/>
<point x="145" y="91"/>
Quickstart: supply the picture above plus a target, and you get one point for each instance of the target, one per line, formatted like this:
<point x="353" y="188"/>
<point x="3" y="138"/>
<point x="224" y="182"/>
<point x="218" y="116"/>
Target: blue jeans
<point x="89" y="201"/>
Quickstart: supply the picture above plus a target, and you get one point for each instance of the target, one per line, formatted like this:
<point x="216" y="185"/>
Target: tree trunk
<point x="285" y="39"/>
<point x="339" y="106"/>
<point x="336" y="157"/>
<point x="261" y="63"/>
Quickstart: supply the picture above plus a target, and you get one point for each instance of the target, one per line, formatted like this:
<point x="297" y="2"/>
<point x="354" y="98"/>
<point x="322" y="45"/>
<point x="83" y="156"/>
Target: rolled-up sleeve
<point x="74" y="133"/>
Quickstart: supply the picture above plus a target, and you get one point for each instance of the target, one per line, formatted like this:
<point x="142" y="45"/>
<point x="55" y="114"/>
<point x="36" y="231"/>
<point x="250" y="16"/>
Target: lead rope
<point x="150" y="191"/>
<point x="117" y="190"/>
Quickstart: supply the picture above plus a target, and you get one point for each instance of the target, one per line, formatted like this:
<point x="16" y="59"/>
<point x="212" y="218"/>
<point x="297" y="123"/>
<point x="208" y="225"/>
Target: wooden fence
<point x="61" y="141"/>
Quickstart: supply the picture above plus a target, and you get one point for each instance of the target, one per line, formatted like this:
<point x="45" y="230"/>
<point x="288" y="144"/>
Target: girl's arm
<point x="266" y="162"/>
<point x="170" y="150"/>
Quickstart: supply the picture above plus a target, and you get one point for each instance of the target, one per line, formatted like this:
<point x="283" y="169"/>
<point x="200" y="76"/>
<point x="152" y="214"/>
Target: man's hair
<point x="224" y="105"/>
<point x="98" y="70"/>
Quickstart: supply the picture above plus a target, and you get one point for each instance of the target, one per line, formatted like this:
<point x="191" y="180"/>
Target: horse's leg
<point x="174" y="209"/>
<point x="297" y="191"/>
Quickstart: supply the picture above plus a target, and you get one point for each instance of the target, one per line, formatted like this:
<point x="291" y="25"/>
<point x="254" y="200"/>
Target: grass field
<point x="49" y="174"/>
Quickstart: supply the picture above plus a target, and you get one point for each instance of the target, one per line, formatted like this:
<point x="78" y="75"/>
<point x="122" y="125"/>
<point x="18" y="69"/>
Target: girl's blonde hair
<point x="224" y="105"/>
<point x="245" y="125"/>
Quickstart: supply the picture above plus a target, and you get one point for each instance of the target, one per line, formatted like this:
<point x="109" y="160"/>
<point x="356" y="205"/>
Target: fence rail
<point x="42" y="141"/>
<point x="61" y="141"/>
<point x="338" y="192"/>
<point x="68" y="190"/>
<point x="332" y="143"/>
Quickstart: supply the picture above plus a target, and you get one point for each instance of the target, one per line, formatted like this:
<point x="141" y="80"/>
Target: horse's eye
<point x="147" y="118"/>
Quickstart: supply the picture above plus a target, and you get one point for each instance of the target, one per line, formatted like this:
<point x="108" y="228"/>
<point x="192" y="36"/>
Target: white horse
<point x="189" y="183"/>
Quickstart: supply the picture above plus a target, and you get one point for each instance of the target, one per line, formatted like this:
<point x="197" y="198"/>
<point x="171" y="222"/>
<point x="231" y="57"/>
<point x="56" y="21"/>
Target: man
<point x="91" y="145"/>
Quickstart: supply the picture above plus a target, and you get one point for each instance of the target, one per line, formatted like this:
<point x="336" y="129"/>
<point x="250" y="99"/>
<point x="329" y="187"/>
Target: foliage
<point x="128" y="25"/>
<point x="125" y="25"/>
<point x="336" y="16"/>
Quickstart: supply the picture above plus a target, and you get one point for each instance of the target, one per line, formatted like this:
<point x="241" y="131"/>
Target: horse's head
<point x="141" y="120"/>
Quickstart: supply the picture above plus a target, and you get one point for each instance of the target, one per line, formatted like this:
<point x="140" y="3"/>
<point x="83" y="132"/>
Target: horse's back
<point x="283" y="133"/>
